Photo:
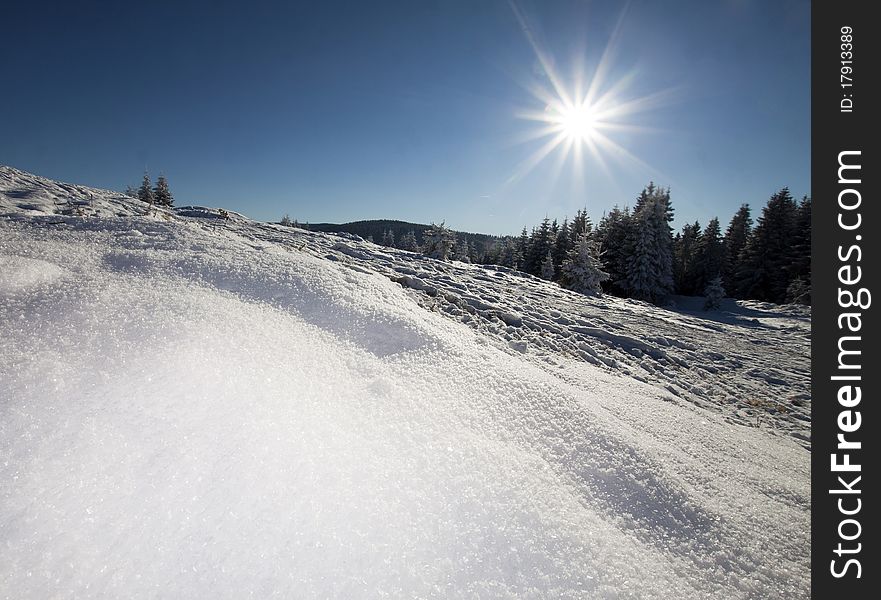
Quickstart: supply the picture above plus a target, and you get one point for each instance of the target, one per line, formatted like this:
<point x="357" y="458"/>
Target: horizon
<point x="418" y="113"/>
<point x="755" y="212"/>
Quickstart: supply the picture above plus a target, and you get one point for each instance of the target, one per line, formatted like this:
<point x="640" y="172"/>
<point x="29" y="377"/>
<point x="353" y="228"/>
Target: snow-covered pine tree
<point x="547" y="267"/>
<point x="437" y="242"/>
<point x="562" y="245"/>
<point x="652" y="193"/>
<point x="472" y="252"/>
<point x="509" y="255"/>
<point x="459" y="250"/>
<point x="582" y="269"/>
<point x="454" y="247"/>
<point x="286" y="221"/>
<point x="162" y="193"/>
<point x="580" y="224"/>
<point x="491" y="254"/>
<point x="649" y="274"/>
<point x="408" y="242"/>
<point x="713" y="294"/>
<point x="767" y="261"/>
<point x="388" y="238"/>
<point x="522" y="249"/>
<point x="145" y="192"/>
<point x="539" y="245"/>
<point x="613" y="236"/>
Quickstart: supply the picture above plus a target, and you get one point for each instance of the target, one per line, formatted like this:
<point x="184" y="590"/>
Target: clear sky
<point x="412" y="110"/>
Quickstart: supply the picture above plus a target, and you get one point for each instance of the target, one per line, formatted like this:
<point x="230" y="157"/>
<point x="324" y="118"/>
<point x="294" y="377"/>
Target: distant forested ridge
<point x="397" y="234"/>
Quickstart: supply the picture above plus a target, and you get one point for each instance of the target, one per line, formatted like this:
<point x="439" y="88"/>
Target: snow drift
<point x="197" y="407"/>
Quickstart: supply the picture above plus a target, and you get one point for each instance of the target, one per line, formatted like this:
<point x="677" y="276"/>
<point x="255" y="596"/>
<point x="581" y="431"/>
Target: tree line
<point x="634" y="253"/>
<point x="639" y="256"/>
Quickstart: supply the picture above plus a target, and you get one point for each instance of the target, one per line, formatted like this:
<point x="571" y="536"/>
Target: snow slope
<point x="194" y="406"/>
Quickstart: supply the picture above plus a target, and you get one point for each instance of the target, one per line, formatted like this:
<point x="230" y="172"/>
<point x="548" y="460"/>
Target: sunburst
<point x="580" y="125"/>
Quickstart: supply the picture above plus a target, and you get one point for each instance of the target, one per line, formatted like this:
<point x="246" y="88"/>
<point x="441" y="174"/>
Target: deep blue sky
<point x="338" y="111"/>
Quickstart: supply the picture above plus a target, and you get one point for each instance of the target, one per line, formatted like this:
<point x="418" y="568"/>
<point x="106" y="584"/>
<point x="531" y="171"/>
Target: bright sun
<point x="578" y="123"/>
<point x="582" y="115"/>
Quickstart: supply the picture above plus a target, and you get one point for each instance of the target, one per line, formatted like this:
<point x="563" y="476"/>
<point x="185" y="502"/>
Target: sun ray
<point x="539" y="53"/>
<point x="580" y="122"/>
<point x="598" y="157"/>
<point x="536" y="157"/>
<point x="557" y="166"/>
<point x="629" y="128"/>
<point x="641" y="104"/>
<point x="619" y="152"/>
<point x="615" y="90"/>
<point x="534" y="134"/>
<point x="605" y="64"/>
<point x="578" y="163"/>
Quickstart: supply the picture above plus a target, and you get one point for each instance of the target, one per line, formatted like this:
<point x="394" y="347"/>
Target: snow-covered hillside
<point x="200" y="406"/>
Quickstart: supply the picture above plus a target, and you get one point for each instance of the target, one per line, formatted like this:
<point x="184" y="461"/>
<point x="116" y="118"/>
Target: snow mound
<point x="194" y="408"/>
<point x="749" y="361"/>
<point x="19" y="274"/>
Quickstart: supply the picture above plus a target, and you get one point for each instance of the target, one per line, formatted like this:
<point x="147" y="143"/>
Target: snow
<point x="194" y="406"/>
<point x="23" y="274"/>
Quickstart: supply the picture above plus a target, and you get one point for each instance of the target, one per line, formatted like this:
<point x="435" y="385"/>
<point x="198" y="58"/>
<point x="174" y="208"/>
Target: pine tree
<point x="736" y="237"/>
<point x="685" y="260"/>
<point x="562" y="245"/>
<point x="145" y="192"/>
<point x="580" y="224"/>
<point x="800" y="267"/>
<point x="509" y="255"/>
<point x="472" y="252"/>
<point x="547" y="267"/>
<point x="437" y="242"/>
<point x="522" y="249"/>
<point x="491" y="253"/>
<point x="460" y="250"/>
<point x="582" y="269"/>
<point x="286" y="221"/>
<point x="709" y="255"/>
<point x="454" y="246"/>
<point x="613" y="240"/>
<point x="714" y="293"/>
<point x="162" y="193"/>
<point x="649" y="274"/>
<point x="408" y="242"/>
<point x="641" y="276"/>
<point x="764" y="272"/>
<point x="388" y="238"/>
<point x="652" y="193"/>
<point x="539" y="245"/>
